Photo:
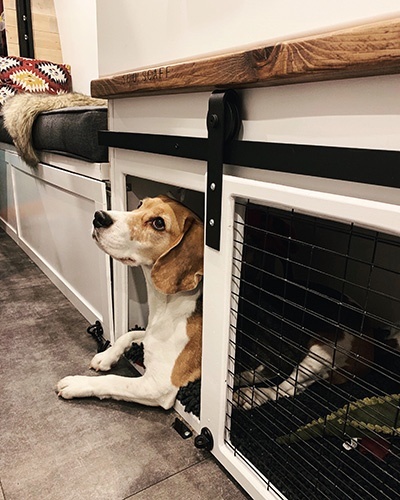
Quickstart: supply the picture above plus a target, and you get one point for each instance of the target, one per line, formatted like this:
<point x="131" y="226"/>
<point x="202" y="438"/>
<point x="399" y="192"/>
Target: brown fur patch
<point x="180" y="267"/>
<point x="176" y="252"/>
<point x="187" y="366"/>
<point x="155" y="242"/>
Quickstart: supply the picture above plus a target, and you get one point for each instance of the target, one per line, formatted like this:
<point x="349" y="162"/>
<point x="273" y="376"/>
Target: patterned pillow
<point x="20" y="74"/>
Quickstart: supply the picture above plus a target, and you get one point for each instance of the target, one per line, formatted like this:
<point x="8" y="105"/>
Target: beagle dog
<point x="166" y="239"/>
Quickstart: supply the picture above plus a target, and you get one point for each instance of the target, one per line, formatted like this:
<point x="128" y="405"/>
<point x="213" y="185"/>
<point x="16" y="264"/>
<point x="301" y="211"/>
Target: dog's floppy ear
<point x="180" y="268"/>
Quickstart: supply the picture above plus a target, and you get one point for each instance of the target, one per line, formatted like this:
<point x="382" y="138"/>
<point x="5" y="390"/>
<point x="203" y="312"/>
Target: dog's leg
<point x="315" y="366"/>
<point x="250" y="377"/>
<point x="103" y="361"/>
<point x="394" y="337"/>
<point x="145" y="390"/>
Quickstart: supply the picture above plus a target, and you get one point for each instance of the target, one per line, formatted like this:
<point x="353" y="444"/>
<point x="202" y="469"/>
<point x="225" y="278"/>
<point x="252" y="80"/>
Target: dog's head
<point x="162" y="234"/>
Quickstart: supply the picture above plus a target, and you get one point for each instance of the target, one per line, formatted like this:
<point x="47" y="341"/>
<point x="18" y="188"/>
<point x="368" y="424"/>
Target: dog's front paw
<point x="102" y="361"/>
<point x="251" y="397"/>
<point x="242" y="398"/>
<point x="75" y="387"/>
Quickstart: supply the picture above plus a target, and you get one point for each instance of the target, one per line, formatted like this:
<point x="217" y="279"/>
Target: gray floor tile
<point x="205" y="480"/>
<point x="86" y="449"/>
<point x="56" y="449"/>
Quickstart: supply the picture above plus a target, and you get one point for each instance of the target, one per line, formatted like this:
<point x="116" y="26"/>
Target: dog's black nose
<point x="102" y="219"/>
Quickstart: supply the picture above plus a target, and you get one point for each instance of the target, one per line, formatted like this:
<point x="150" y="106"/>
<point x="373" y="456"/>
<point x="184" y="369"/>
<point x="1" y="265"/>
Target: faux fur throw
<point x="20" y="112"/>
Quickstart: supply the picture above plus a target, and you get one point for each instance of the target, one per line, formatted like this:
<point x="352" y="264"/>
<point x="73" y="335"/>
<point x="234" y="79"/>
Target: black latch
<point x="96" y="331"/>
<point x="205" y="440"/>
<point x="223" y="124"/>
<point x="182" y="429"/>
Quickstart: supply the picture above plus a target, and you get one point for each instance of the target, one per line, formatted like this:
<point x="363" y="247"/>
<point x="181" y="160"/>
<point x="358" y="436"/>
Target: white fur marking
<point x="317" y="364"/>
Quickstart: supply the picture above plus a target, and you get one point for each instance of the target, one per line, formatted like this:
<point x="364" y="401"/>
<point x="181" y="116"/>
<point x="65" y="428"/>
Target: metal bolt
<point x="212" y="186"/>
<point x="214" y="121"/>
<point x="211" y="222"/>
<point x="25" y="37"/>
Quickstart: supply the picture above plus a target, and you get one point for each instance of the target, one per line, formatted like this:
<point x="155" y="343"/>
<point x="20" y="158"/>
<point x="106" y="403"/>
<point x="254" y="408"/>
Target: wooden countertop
<point x="367" y="50"/>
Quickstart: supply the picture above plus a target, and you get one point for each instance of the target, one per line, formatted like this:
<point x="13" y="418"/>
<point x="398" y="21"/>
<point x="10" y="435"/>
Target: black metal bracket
<point x="182" y="429"/>
<point x="25" y="31"/>
<point x="96" y="331"/>
<point x="377" y="167"/>
<point x="223" y="124"/>
<point x="205" y="440"/>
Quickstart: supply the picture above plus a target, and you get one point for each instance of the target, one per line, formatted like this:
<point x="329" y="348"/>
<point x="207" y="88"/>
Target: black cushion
<point x="72" y="132"/>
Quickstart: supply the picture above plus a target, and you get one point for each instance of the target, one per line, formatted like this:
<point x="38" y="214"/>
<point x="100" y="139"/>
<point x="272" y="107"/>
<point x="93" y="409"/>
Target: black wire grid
<point x="299" y="280"/>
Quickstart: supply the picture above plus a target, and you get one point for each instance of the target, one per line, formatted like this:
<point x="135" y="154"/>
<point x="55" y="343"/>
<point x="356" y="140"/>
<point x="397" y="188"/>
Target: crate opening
<point x="137" y="189"/>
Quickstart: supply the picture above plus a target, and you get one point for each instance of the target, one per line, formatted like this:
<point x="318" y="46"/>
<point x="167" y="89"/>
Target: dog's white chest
<point x="166" y="332"/>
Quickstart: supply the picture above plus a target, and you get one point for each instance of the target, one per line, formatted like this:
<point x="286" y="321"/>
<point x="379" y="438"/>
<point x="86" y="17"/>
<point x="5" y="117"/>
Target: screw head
<point x="212" y="186"/>
<point x="214" y="121"/>
<point x="211" y="222"/>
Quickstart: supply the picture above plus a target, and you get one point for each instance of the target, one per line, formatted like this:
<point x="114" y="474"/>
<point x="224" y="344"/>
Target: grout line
<point x="167" y="477"/>
<point x="2" y="491"/>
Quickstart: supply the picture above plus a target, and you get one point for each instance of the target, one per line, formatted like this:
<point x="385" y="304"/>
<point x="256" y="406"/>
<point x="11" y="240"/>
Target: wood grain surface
<point x="367" y="50"/>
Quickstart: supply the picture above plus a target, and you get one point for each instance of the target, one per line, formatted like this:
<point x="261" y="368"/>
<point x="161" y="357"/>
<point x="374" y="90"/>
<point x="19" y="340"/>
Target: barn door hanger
<point x="25" y="31"/>
<point x="223" y="124"/>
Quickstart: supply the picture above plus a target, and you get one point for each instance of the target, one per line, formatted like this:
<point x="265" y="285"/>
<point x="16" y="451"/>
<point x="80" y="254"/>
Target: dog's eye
<point x="140" y="204"/>
<point x="158" y="224"/>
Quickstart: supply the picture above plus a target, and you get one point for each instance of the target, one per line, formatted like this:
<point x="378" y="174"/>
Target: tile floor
<point x="51" y="449"/>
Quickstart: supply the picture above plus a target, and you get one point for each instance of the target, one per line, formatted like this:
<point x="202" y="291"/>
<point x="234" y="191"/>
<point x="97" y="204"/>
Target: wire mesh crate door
<point x="313" y="400"/>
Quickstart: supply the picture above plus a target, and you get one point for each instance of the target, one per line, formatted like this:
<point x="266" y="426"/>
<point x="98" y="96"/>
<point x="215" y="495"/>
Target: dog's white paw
<point x="75" y="387"/>
<point x="250" y="397"/>
<point x="103" y="361"/>
<point x="242" y="398"/>
<point x="250" y="377"/>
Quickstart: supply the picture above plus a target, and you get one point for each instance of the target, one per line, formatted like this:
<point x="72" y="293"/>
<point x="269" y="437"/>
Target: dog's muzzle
<point x="102" y="219"/>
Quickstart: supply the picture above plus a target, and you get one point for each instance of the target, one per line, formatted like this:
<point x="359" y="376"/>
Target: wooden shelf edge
<point x="367" y="50"/>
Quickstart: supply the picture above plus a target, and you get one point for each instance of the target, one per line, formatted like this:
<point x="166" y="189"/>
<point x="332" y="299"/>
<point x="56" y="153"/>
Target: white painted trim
<point x="189" y="418"/>
<point x="96" y="170"/>
<point x="8" y="229"/>
<point x="69" y="181"/>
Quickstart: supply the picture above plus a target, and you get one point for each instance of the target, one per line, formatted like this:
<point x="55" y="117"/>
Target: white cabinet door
<point x="54" y="212"/>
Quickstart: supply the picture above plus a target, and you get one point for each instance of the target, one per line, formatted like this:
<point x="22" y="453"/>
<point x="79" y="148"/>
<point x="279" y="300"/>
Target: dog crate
<point x="289" y="277"/>
<point x="296" y="267"/>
